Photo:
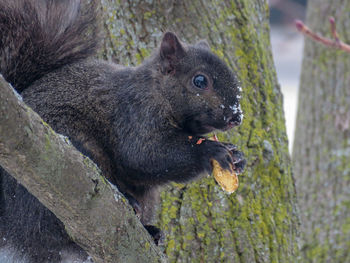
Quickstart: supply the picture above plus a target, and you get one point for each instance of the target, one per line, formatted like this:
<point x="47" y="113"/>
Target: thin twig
<point x="336" y="43"/>
<point x="333" y="29"/>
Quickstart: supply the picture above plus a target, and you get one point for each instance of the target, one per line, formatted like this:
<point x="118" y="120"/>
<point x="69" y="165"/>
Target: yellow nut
<point x="226" y="179"/>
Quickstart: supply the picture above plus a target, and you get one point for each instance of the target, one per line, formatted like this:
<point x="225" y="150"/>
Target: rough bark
<point x="95" y="215"/>
<point x="259" y="222"/>
<point x="322" y="141"/>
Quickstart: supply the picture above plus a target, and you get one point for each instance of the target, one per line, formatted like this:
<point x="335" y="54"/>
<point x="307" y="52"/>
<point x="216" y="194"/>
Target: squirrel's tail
<point x="39" y="36"/>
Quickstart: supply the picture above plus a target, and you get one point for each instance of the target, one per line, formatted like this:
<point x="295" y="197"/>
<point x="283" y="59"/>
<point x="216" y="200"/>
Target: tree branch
<point x="94" y="213"/>
<point x="336" y="43"/>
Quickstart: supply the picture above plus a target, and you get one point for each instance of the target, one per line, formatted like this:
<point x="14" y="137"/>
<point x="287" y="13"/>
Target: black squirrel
<point x="134" y="122"/>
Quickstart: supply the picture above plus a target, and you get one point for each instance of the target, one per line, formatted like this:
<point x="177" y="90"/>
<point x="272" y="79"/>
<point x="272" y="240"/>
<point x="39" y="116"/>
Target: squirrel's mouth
<point x="202" y="125"/>
<point x="202" y="129"/>
<point x="229" y="127"/>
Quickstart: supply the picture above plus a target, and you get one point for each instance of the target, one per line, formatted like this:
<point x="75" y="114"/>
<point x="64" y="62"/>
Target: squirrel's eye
<point x="200" y="81"/>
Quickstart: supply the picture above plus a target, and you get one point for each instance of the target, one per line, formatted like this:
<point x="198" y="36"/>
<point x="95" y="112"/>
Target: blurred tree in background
<point x="321" y="154"/>
<point x="259" y="222"/>
<point x="286" y="11"/>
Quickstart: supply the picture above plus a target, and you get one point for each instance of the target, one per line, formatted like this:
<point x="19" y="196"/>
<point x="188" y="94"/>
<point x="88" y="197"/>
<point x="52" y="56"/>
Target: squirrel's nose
<point x="235" y="119"/>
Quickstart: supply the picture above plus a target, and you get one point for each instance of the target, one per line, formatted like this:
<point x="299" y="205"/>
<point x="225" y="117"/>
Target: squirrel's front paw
<point x="237" y="157"/>
<point x="238" y="161"/>
<point x="215" y="150"/>
<point x="226" y="154"/>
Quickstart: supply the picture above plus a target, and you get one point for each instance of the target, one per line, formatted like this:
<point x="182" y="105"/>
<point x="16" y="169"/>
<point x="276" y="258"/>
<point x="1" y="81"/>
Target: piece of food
<point x="226" y="179"/>
<point x="200" y="140"/>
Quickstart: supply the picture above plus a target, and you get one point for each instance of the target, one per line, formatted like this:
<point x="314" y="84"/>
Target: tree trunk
<point x="97" y="217"/>
<point x="322" y="141"/>
<point x="259" y="222"/>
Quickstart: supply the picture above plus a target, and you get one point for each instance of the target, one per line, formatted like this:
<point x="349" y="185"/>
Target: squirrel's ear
<point x="171" y="50"/>
<point x="203" y="44"/>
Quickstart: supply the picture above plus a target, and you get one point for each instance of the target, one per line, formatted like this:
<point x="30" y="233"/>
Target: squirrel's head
<point x="202" y="91"/>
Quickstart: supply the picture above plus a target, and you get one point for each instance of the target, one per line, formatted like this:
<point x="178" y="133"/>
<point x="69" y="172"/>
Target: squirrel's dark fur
<point x="140" y="125"/>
